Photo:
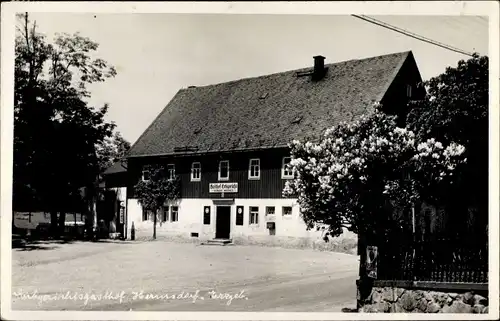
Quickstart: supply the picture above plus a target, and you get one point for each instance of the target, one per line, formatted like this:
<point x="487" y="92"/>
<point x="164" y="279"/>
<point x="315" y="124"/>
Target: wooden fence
<point x="461" y="259"/>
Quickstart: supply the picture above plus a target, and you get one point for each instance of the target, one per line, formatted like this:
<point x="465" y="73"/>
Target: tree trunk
<point x="93" y="214"/>
<point x="155" y="214"/>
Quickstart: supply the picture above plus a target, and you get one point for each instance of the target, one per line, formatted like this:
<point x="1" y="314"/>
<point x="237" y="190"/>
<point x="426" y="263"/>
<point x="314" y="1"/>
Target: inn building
<point x="228" y="142"/>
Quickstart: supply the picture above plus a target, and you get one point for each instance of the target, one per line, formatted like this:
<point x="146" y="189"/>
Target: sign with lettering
<point x="271" y="218"/>
<point x="223" y="188"/>
<point x="122" y="215"/>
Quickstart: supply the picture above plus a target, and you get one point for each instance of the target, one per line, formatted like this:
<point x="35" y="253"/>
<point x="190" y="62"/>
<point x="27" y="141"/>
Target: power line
<point x="411" y="34"/>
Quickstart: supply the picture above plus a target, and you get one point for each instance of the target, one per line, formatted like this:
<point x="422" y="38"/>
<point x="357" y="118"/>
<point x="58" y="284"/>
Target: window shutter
<point x="206" y="215"/>
<point x="239" y="215"/>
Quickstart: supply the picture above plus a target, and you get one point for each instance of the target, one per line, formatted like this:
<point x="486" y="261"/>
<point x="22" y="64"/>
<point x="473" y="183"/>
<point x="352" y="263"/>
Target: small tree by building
<point x="158" y="190"/>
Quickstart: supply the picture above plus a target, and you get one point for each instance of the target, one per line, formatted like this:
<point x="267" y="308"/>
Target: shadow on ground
<point x="20" y="243"/>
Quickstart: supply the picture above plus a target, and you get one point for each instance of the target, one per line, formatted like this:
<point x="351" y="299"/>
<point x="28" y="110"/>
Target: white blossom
<point x="334" y="168"/>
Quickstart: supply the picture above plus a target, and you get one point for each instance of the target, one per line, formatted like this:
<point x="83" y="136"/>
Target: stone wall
<point x="399" y="300"/>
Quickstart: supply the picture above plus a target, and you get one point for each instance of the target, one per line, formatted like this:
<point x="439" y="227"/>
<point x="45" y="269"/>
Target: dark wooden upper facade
<point x="269" y="184"/>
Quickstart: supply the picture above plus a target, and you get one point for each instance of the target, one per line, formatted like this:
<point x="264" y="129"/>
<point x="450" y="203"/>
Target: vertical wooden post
<point x="155" y="214"/>
<point x="413" y="219"/>
<point x="414" y="243"/>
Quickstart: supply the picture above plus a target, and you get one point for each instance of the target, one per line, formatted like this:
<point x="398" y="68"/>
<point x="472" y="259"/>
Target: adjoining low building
<point x="111" y="209"/>
<point x="228" y="143"/>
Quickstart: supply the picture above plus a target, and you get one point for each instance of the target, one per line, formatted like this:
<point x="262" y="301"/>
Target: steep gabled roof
<point x="268" y="111"/>
<point x="118" y="167"/>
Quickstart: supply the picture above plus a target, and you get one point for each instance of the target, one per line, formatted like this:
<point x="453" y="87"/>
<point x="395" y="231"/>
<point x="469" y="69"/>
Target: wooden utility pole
<point x="154" y="225"/>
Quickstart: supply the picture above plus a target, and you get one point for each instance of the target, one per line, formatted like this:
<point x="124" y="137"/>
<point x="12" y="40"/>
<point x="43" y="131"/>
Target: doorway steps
<point x="220" y="242"/>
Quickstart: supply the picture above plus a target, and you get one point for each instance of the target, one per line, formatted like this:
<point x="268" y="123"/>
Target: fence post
<point x="414" y="266"/>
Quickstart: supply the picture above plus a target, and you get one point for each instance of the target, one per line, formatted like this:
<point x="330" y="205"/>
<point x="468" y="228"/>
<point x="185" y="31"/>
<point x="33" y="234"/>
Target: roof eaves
<point x="211" y="151"/>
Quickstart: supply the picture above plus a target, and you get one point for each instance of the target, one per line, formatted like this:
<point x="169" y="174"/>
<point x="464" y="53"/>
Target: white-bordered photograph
<point x="333" y="160"/>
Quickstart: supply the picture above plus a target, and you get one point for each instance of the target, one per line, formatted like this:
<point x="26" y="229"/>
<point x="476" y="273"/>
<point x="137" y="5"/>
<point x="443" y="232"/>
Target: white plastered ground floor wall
<point x="190" y="219"/>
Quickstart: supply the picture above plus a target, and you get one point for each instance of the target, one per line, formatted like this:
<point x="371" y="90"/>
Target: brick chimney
<point x="319" y="68"/>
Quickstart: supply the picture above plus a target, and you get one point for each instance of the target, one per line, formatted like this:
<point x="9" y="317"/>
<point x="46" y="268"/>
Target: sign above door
<point x="223" y="188"/>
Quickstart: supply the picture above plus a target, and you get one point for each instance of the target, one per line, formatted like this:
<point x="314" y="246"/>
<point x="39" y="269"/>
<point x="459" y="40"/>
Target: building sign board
<point x="271" y="218"/>
<point x="223" y="188"/>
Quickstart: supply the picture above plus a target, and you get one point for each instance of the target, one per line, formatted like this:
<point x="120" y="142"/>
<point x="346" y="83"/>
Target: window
<point x="254" y="215"/>
<point x="287" y="211"/>
<point x="286" y="171"/>
<point x="408" y="91"/>
<point x="196" y="172"/>
<point x="171" y="171"/>
<point x="174" y="215"/>
<point x="254" y="169"/>
<point x="165" y="214"/>
<point x="270" y="210"/>
<point x="145" y="175"/>
<point x="145" y="214"/>
<point x="206" y="215"/>
<point x="223" y="170"/>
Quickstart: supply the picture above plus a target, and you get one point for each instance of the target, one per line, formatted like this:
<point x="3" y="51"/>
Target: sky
<point x="155" y="55"/>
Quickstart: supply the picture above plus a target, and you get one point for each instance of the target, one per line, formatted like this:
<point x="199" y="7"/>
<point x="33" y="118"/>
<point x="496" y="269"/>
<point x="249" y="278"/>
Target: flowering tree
<point x="153" y="193"/>
<point x="359" y="172"/>
<point x="455" y="109"/>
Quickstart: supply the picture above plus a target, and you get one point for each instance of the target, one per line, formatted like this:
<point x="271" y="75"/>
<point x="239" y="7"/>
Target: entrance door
<point x="223" y="222"/>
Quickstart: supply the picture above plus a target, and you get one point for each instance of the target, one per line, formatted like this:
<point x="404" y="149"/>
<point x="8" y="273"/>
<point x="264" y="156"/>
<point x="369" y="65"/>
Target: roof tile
<point x="233" y="115"/>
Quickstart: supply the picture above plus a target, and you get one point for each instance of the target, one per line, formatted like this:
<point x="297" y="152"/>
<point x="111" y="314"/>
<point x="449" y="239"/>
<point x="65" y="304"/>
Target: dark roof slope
<point x="268" y="111"/>
<point x="116" y="168"/>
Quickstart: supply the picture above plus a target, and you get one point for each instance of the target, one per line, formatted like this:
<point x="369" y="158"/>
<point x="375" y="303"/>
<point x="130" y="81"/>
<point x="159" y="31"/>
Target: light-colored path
<point x="272" y="279"/>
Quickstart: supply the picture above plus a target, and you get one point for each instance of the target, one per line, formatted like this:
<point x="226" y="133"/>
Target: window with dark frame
<point x="223" y="170"/>
<point x="196" y="172"/>
<point x="145" y="175"/>
<point x="239" y="215"/>
<point x="206" y="215"/>
<point x="254" y="215"/>
<point x="174" y="214"/>
<point x="170" y="171"/>
<point x="287" y="211"/>
<point x="408" y="91"/>
<point x="270" y="210"/>
<point x="165" y="214"/>
<point x="254" y="169"/>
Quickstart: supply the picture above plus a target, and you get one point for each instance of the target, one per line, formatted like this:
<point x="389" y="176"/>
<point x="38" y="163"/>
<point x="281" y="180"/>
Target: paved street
<point x="161" y="276"/>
